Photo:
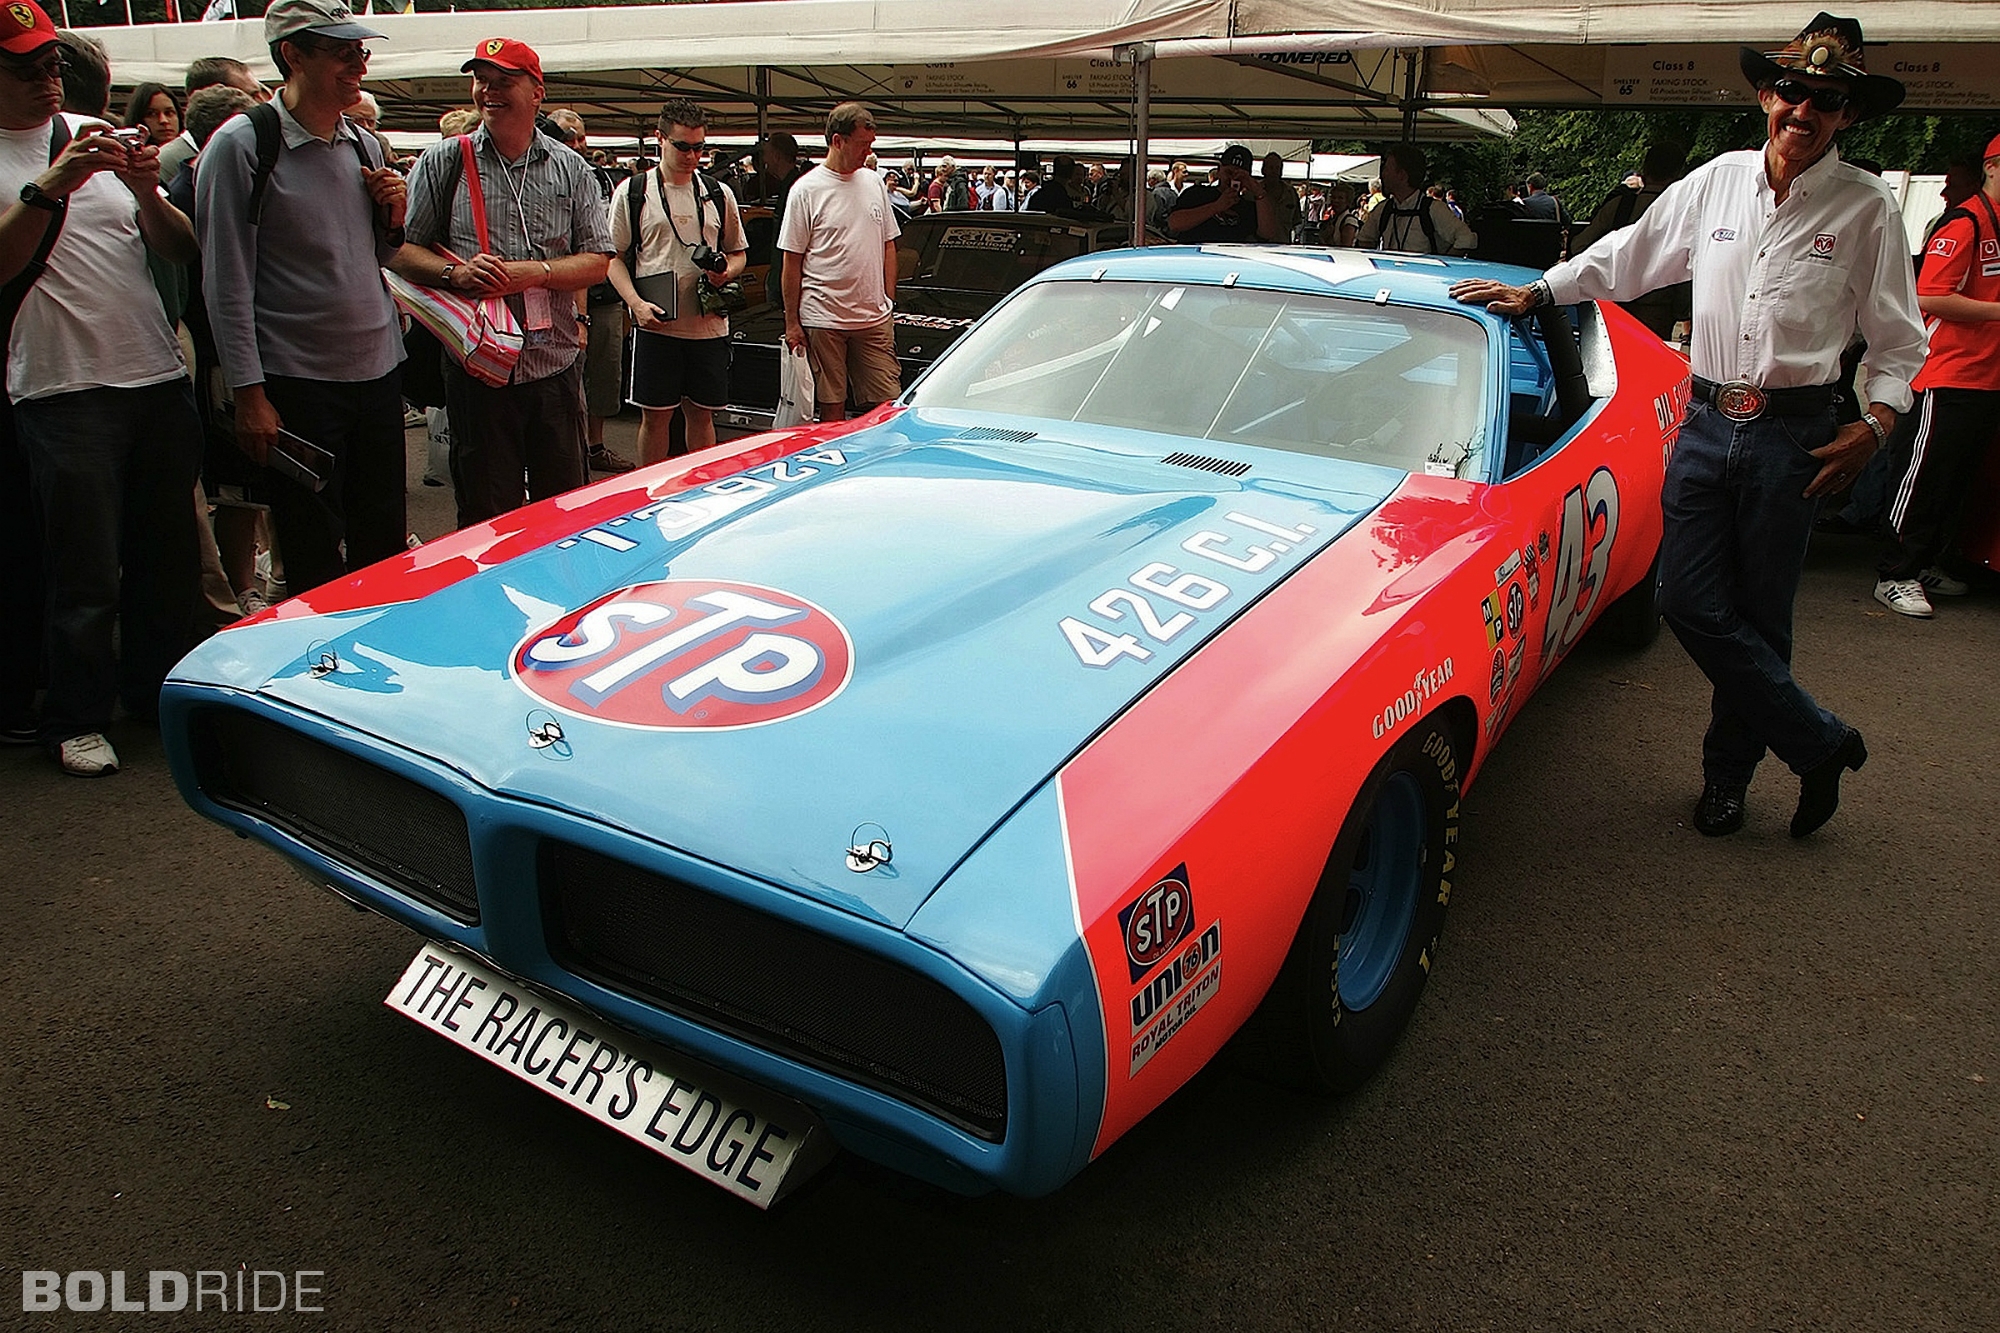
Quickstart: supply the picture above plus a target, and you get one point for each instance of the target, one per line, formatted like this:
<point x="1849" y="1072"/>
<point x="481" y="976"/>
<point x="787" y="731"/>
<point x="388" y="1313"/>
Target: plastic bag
<point x="795" y="390"/>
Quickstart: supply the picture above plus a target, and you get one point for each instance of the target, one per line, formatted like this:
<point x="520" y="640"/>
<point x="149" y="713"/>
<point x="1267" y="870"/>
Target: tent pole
<point x="1411" y="56"/>
<point x="763" y="110"/>
<point x="1142" y="107"/>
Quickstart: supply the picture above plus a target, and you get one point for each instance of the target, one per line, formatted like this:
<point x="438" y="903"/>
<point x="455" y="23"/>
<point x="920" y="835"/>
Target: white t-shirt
<point x="659" y="252"/>
<point x="94" y="319"/>
<point x="841" y="225"/>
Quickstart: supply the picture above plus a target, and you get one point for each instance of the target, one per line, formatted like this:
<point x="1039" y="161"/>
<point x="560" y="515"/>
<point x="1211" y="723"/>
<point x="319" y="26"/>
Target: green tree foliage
<point x="1586" y="153"/>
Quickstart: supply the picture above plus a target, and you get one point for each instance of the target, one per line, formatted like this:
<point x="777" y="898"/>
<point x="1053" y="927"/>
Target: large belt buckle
<point x="1740" y="400"/>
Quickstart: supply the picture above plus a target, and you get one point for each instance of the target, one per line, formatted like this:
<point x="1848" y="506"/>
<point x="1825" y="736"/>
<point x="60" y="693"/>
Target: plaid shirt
<point x="544" y="207"/>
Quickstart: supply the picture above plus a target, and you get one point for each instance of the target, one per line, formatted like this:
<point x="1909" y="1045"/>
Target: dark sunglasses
<point x="38" y="72"/>
<point x="1822" y="98"/>
<point x="686" y="147"/>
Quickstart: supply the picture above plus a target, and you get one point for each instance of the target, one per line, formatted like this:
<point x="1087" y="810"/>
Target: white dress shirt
<point x="1779" y="289"/>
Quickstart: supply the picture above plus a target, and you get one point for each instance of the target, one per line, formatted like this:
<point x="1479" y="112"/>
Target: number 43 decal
<point x="1589" y="528"/>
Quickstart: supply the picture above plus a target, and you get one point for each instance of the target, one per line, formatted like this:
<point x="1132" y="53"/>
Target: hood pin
<point x="863" y="857"/>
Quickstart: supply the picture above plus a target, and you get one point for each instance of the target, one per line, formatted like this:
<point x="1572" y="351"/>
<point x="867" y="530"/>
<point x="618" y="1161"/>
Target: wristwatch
<point x="583" y="319"/>
<point x="444" y="275"/>
<point x="33" y="196"/>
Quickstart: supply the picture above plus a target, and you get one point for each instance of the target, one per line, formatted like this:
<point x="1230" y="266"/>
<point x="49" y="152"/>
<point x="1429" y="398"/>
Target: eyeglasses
<point x="1822" y="98"/>
<point x="353" y="53"/>
<point x="684" y="146"/>
<point x="39" y="72"/>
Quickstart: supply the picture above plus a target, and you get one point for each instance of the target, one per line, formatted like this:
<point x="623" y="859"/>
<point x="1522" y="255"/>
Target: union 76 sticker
<point x="688" y="655"/>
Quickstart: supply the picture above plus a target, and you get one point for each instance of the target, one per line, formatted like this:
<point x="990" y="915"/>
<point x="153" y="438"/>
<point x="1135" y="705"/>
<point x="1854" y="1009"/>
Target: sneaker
<point x="87" y="756"/>
<point x="18" y="733"/>
<point x="603" y="460"/>
<point x="250" y="602"/>
<point x="413" y="418"/>
<point x="1940" y="584"/>
<point x="1905" y="597"/>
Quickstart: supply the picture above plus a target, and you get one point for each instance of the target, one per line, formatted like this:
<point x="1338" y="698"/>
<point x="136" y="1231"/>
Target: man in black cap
<point x="1789" y="249"/>
<point x="1235" y="208"/>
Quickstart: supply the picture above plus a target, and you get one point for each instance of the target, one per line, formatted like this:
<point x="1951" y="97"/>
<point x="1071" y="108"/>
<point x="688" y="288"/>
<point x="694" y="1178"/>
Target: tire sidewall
<point x="1347" y="1045"/>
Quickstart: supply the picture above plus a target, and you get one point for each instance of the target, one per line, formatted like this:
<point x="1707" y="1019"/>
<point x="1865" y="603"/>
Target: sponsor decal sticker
<point x="1499" y="681"/>
<point x="1411" y="701"/>
<point x="1175" y="994"/>
<point x="688" y="655"/>
<point x="1507" y="568"/>
<point x="1155" y="923"/>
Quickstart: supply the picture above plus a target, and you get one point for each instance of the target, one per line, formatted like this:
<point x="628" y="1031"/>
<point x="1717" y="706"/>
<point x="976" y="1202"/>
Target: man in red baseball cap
<point x="1937" y="447"/>
<point x="508" y="54"/>
<point x="101" y="410"/>
<point x="547" y="237"/>
<point x="25" y="29"/>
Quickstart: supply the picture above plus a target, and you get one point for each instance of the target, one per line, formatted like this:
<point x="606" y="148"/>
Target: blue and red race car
<point x="951" y="786"/>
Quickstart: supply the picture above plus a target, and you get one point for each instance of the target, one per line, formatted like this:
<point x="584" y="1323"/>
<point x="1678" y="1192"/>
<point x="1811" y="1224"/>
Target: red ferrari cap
<point x="25" y="29"/>
<point x="1993" y="148"/>
<point x="506" y="53"/>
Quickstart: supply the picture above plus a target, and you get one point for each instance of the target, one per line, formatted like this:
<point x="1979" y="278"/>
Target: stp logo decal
<point x="688" y="655"/>
<point x="1823" y="244"/>
<point x="1157" y="921"/>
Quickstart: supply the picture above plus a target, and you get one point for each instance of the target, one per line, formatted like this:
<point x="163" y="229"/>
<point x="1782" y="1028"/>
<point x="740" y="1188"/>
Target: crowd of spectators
<point x="214" y="408"/>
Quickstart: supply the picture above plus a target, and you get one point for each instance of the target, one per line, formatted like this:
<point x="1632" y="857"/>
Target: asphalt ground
<point x="1658" y="1081"/>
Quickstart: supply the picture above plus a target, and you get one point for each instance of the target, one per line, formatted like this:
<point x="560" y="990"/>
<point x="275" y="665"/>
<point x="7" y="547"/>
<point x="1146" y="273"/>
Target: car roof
<point x="1366" y="274"/>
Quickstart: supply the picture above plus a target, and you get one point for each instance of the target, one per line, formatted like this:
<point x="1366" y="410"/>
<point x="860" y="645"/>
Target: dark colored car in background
<point x="951" y="269"/>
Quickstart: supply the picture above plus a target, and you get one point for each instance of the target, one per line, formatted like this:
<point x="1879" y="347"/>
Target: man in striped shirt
<point x="549" y="238"/>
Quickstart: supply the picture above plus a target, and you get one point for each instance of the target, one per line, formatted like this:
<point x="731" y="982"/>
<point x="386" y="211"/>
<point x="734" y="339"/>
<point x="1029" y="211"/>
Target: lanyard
<point x="520" y="207"/>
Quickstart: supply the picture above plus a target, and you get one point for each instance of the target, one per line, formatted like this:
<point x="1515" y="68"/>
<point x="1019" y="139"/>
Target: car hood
<point x="941" y="554"/>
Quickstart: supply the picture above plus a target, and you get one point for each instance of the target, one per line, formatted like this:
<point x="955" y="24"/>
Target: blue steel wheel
<point x="1382" y="889"/>
<point x="1363" y="952"/>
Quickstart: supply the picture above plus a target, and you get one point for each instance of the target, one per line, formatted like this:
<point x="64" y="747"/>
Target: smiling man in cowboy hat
<point x="1789" y="249"/>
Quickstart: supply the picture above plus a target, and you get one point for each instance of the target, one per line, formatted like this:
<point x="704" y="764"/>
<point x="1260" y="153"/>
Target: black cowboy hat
<point x="1828" y="48"/>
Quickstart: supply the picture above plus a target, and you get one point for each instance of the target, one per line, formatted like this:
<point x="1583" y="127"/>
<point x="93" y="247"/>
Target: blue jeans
<point x="1737" y="524"/>
<point x="114" y="473"/>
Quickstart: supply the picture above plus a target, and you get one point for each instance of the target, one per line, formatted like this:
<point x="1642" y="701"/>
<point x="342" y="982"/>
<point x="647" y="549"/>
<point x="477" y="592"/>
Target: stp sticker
<point x="1157" y="921"/>
<point x="688" y="655"/>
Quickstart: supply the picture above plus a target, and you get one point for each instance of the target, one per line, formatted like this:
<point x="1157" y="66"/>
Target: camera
<point x="707" y="258"/>
<point x="134" y="137"/>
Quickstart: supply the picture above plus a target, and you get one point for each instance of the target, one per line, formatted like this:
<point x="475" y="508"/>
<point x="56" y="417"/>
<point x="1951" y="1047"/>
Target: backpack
<point x="706" y="191"/>
<point x="1388" y="212"/>
<point x="263" y="120"/>
<point x="956" y="194"/>
<point x="15" y="291"/>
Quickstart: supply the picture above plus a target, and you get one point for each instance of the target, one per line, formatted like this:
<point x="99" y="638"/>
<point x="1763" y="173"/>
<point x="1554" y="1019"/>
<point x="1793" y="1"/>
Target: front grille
<point x="346" y="809"/>
<point x="1226" y="467"/>
<point x="774" y="984"/>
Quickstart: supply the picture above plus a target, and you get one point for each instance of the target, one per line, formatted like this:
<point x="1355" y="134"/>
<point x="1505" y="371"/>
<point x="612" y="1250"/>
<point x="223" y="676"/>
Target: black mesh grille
<point x="1226" y="467"/>
<point x="345" y="808"/>
<point x="996" y="433"/>
<point x="777" y="985"/>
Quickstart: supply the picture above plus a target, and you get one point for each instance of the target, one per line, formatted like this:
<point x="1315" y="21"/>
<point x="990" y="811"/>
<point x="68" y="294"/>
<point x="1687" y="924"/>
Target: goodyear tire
<point x="1363" y="952"/>
<point x="1633" y="621"/>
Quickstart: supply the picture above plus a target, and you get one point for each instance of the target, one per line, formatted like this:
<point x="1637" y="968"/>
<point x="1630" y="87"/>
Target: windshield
<point x="974" y="257"/>
<point x="1394" y="385"/>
